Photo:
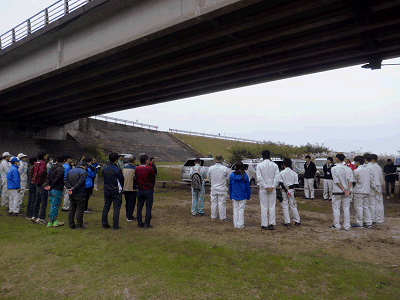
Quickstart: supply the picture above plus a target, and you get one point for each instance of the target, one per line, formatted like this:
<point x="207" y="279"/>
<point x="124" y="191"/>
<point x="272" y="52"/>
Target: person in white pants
<point x="288" y="180"/>
<point x="378" y="178"/>
<point x="239" y="191"/>
<point x="14" y="186"/>
<point x="309" y="173"/>
<point x="23" y="172"/>
<point x="328" y="181"/>
<point x="218" y="176"/>
<point x="266" y="172"/>
<point x="67" y="168"/>
<point x="342" y="179"/>
<point x="4" y="167"/>
<point x="363" y="184"/>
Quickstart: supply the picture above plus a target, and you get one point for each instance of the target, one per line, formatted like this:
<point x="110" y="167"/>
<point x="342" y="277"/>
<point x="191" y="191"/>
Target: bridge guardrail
<point x="47" y="16"/>
<point x="214" y="136"/>
<point x="126" y="122"/>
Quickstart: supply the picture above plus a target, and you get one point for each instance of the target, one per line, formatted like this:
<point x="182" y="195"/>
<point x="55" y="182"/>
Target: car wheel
<point x="301" y="182"/>
<point x="317" y="182"/>
<point x="252" y="182"/>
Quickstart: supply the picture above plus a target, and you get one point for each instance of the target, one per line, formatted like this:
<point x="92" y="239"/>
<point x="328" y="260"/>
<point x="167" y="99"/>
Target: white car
<point x="250" y="169"/>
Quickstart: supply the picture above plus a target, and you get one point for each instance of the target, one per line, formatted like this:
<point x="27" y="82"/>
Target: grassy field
<point x="206" y="145"/>
<point x="185" y="257"/>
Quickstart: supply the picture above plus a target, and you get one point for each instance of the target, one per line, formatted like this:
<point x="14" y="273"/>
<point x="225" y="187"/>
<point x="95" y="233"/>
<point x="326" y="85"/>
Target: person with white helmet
<point x="23" y="172"/>
<point x="4" y="167"/>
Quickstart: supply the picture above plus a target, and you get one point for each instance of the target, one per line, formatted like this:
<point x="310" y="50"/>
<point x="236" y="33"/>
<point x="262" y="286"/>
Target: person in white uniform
<point x="328" y="181"/>
<point x="4" y="167"/>
<point x="288" y="180"/>
<point x="378" y="177"/>
<point x="342" y="181"/>
<point x="23" y="172"/>
<point x="362" y="186"/>
<point x="266" y="172"/>
<point x="218" y="176"/>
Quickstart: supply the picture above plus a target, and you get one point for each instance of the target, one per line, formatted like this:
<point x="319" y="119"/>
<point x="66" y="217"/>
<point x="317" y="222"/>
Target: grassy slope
<point x="39" y="263"/>
<point x="205" y="145"/>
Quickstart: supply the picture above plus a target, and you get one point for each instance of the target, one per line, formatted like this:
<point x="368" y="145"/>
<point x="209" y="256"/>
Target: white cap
<point x="21" y="155"/>
<point x="6" y="154"/>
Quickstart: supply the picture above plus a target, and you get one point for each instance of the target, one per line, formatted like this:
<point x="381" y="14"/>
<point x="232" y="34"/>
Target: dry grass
<point x="187" y="257"/>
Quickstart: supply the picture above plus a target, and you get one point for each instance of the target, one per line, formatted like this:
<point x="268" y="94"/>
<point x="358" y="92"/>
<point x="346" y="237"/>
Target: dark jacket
<point x="112" y="174"/>
<point x="55" y="178"/>
<point x="309" y="172"/>
<point x="154" y="168"/>
<point x="328" y="171"/>
<point x="390" y="169"/>
<point x="239" y="187"/>
<point x="75" y="180"/>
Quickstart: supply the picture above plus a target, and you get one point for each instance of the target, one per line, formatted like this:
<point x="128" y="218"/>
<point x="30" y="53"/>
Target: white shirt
<point x="343" y="175"/>
<point x="4" y="166"/>
<point x="266" y="172"/>
<point x="23" y="170"/>
<point x="364" y="180"/>
<point x="377" y="171"/>
<point x="287" y="176"/>
<point x="218" y="176"/>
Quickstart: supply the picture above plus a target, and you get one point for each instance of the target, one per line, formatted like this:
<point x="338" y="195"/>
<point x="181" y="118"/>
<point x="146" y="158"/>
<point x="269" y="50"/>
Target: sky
<point x="347" y="110"/>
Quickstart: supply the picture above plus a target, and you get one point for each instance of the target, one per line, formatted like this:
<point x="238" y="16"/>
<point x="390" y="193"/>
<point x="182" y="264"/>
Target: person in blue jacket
<point x="14" y="186"/>
<point x="239" y="191"/>
<point x="89" y="182"/>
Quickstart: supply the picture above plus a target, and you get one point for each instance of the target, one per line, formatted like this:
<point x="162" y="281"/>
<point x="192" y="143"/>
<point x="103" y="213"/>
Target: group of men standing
<point x="75" y="185"/>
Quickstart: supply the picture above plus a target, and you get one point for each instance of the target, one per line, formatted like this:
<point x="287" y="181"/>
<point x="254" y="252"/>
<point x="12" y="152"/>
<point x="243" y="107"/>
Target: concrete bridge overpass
<point x="110" y="55"/>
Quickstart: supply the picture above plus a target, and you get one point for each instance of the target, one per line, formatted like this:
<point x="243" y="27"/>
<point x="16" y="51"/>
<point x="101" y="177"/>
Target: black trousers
<point x="77" y="205"/>
<point x="40" y="202"/>
<point x="31" y="200"/>
<point x="130" y="202"/>
<point x="116" y="201"/>
<point x="387" y="187"/>
<point x="144" y="197"/>
<point x="89" y="192"/>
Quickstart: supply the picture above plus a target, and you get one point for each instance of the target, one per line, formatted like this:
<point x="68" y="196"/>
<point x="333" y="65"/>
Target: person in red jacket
<point x="38" y="176"/>
<point x="349" y="164"/>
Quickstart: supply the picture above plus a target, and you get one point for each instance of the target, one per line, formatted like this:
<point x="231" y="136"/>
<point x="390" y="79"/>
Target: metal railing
<point x="47" y="16"/>
<point x="125" y="122"/>
<point x="214" y="136"/>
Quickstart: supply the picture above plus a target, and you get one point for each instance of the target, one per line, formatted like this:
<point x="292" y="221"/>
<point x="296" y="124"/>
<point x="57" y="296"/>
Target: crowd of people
<point x="344" y="183"/>
<point x="73" y="183"/>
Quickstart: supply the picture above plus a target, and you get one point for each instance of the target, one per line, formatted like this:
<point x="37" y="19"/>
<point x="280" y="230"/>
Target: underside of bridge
<point x="245" y="43"/>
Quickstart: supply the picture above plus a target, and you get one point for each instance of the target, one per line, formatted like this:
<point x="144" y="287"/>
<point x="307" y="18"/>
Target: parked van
<point x="250" y="169"/>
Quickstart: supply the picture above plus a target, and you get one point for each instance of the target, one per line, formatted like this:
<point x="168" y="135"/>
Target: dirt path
<point x="380" y="245"/>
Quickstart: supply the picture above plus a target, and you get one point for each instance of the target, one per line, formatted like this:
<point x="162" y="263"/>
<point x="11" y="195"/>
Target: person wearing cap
<point x="23" y="172"/>
<point x="14" y="186"/>
<point x="218" y="176"/>
<point x="4" y="167"/>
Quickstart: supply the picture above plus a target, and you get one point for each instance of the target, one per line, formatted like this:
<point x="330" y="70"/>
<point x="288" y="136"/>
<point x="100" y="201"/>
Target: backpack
<point x="197" y="182"/>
